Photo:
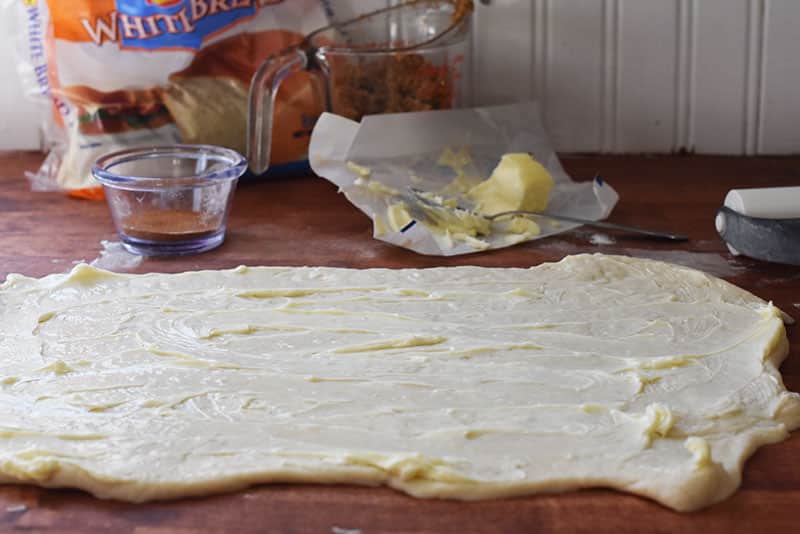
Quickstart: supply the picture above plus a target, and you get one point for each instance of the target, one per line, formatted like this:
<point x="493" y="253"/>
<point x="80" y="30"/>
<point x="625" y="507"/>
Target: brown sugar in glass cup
<point x="408" y="57"/>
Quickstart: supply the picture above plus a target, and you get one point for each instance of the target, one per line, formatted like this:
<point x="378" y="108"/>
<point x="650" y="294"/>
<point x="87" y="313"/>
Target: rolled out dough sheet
<point x="466" y="382"/>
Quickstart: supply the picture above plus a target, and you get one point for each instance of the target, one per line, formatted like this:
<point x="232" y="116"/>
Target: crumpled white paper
<point x="397" y="147"/>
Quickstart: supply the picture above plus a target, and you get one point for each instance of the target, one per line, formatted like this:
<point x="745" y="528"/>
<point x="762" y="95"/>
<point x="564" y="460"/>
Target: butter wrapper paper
<point x="378" y="161"/>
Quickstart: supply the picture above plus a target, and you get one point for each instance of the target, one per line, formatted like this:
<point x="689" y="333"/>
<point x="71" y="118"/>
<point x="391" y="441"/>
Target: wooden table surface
<point x="303" y="221"/>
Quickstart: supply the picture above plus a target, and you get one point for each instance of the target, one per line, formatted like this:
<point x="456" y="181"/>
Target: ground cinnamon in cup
<point x="170" y="225"/>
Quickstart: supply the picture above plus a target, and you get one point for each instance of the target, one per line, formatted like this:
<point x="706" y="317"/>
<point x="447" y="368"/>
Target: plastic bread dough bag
<point x="113" y="74"/>
<point x="378" y="161"/>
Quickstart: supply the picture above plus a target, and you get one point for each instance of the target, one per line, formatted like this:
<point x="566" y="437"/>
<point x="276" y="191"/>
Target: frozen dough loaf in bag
<point x="117" y="74"/>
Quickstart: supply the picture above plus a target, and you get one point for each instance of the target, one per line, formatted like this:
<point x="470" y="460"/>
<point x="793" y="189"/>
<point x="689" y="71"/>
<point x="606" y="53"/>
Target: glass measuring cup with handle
<point x="408" y="57"/>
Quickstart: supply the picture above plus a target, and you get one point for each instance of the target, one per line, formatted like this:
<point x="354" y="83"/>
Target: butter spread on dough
<point x="465" y="382"/>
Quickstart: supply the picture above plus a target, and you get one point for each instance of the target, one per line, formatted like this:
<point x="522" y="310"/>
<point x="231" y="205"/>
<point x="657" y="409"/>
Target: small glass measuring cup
<point x="170" y="200"/>
<point x="408" y="57"/>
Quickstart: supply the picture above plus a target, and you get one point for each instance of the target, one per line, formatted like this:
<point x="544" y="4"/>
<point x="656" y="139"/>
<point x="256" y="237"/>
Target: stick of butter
<point x="517" y="183"/>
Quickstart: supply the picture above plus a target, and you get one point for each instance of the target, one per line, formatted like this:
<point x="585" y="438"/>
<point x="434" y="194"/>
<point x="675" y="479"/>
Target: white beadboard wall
<point x="709" y="76"/>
